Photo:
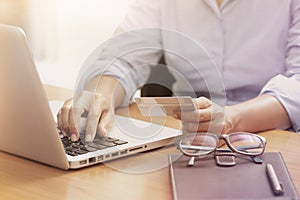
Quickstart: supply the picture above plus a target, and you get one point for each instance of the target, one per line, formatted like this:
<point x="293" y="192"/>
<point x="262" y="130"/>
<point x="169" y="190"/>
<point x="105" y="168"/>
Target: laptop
<point x="28" y="128"/>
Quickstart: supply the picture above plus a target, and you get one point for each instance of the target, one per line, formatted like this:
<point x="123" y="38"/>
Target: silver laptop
<point x="28" y="128"/>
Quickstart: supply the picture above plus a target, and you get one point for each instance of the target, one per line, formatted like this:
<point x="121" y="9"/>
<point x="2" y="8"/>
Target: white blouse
<point x="236" y="52"/>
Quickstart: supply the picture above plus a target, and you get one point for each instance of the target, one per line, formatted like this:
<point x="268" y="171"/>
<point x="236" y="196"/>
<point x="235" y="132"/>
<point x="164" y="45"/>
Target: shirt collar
<point x="215" y="8"/>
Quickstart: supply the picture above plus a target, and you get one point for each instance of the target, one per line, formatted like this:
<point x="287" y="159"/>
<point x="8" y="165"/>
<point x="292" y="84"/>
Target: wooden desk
<point x="24" y="179"/>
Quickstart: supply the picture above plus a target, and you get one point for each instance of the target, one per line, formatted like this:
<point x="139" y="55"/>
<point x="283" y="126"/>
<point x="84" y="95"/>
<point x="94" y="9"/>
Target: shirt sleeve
<point x="286" y="87"/>
<point x="129" y="54"/>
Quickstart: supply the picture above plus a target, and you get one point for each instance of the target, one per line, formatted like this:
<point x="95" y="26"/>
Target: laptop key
<point x="90" y="149"/>
<point x="79" y="151"/>
<point x="69" y="148"/>
<point x="105" y="143"/>
<point x="96" y="146"/>
<point x="110" y="139"/>
<point x="120" y="142"/>
<point x="71" y="153"/>
<point x="66" y="141"/>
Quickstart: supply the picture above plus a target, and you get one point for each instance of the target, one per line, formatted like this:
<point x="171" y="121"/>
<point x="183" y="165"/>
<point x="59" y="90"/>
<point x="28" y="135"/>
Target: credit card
<point x="164" y="106"/>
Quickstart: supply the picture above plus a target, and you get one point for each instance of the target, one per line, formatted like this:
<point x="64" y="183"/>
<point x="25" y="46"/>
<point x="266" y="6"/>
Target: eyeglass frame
<point x="225" y="138"/>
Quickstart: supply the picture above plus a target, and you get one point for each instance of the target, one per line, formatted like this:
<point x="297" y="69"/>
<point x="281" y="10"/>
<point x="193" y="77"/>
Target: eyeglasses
<point x="203" y="144"/>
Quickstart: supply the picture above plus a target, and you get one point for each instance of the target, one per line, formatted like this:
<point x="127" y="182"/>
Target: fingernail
<point x="73" y="137"/>
<point x="64" y="133"/>
<point x="88" y="138"/>
<point x="102" y="131"/>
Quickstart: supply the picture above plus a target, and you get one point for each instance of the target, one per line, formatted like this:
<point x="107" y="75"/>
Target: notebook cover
<point x="245" y="180"/>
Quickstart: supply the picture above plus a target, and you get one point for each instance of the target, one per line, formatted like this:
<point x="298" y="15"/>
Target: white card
<point x="164" y="106"/>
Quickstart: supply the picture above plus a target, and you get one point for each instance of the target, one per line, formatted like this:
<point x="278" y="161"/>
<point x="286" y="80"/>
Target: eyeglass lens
<point x="246" y="143"/>
<point x="199" y="144"/>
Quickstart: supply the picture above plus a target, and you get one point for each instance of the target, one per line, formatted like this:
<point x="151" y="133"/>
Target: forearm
<point x="262" y="113"/>
<point x="109" y="87"/>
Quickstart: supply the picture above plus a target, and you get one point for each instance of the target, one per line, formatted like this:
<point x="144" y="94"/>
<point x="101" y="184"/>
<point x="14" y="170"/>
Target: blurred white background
<point x="62" y="33"/>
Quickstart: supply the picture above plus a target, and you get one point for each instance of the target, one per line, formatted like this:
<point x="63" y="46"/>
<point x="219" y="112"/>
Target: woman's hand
<point x="261" y="113"/>
<point x="99" y="111"/>
<point x="208" y="117"/>
<point x="98" y="102"/>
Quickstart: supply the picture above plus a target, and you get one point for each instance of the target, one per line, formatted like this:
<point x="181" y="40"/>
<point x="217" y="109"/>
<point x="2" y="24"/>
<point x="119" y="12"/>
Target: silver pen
<point x="273" y="180"/>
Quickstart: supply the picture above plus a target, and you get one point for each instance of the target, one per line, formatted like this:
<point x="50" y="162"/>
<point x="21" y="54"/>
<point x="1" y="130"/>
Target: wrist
<point x="231" y="120"/>
<point x="108" y="87"/>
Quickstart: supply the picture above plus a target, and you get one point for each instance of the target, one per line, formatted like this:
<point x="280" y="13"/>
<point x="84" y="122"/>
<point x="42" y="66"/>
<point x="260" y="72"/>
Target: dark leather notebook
<point x="245" y="180"/>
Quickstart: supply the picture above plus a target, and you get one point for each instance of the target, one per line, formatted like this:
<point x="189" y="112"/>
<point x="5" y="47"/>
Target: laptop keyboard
<point x="79" y="147"/>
